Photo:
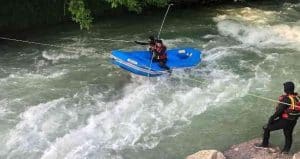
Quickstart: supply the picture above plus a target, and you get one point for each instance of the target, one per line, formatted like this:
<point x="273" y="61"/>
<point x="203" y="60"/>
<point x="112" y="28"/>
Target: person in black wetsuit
<point x="283" y="118"/>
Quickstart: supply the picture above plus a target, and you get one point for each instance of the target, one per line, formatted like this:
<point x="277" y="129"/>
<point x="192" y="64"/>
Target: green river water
<point x="62" y="103"/>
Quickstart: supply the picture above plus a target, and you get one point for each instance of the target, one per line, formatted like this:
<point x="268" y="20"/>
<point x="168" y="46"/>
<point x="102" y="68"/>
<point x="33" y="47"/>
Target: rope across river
<point x="58" y="46"/>
<point x="249" y="94"/>
<point x="36" y="43"/>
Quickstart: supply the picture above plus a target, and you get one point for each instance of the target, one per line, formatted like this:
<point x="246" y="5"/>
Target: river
<point x="73" y="103"/>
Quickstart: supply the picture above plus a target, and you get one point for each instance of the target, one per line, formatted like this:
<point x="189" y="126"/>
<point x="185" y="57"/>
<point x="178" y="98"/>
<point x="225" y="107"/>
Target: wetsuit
<point x="277" y="122"/>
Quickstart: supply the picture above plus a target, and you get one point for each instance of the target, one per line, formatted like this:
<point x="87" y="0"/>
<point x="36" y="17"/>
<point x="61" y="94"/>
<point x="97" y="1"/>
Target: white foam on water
<point x="290" y="33"/>
<point x="141" y="118"/>
<point x="173" y="43"/>
<point x="262" y="70"/>
<point x="32" y="76"/>
<point x="268" y="34"/>
<point x="249" y="15"/>
<point x="219" y="52"/>
<point x="68" y="54"/>
<point x="27" y="137"/>
<point x="252" y="38"/>
<point x="209" y="36"/>
<point x="58" y="56"/>
<point x="247" y="34"/>
<point x="41" y="124"/>
<point x="4" y="110"/>
<point x="262" y="78"/>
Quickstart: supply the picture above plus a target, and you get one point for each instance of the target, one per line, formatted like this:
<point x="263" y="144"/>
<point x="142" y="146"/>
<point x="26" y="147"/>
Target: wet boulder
<point x="206" y="154"/>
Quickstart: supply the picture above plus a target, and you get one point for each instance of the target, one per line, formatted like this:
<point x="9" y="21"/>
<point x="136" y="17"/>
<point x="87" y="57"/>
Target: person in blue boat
<point x="160" y="54"/>
<point x="285" y="118"/>
<point x="158" y="51"/>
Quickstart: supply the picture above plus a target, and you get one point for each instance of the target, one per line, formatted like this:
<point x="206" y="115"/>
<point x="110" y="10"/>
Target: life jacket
<point x="161" y="52"/>
<point x="293" y="112"/>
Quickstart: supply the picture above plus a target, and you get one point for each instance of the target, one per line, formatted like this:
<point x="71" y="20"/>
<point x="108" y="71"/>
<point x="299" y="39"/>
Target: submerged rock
<point x="247" y="150"/>
<point x="206" y="154"/>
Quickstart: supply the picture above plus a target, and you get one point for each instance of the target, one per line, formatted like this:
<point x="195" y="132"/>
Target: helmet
<point x="289" y="87"/>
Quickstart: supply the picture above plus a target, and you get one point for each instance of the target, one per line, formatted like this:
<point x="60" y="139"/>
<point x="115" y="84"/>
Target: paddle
<point x="163" y="22"/>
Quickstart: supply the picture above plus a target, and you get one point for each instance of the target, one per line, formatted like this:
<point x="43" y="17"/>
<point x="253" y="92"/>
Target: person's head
<point x="289" y="87"/>
<point x="159" y="43"/>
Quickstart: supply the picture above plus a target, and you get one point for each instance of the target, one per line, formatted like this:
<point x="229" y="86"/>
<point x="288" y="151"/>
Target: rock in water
<point x="247" y="150"/>
<point x="207" y="154"/>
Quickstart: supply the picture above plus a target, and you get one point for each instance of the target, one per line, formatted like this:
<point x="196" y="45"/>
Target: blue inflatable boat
<point x="139" y="62"/>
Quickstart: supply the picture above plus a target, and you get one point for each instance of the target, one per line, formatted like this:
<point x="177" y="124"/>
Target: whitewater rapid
<point x="62" y="104"/>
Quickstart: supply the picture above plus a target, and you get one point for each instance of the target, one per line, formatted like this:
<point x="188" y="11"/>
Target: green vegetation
<point x="137" y="5"/>
<point x="82" y="15"/>
<point x="18" y="15"/>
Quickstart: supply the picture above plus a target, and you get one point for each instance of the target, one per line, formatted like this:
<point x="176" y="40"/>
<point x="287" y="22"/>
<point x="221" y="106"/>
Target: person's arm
<point x="280" y="109"/>
<point x="141" y="43"/>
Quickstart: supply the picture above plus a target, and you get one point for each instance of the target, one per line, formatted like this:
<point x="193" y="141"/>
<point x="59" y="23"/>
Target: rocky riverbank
<point x="245" y="150"/>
